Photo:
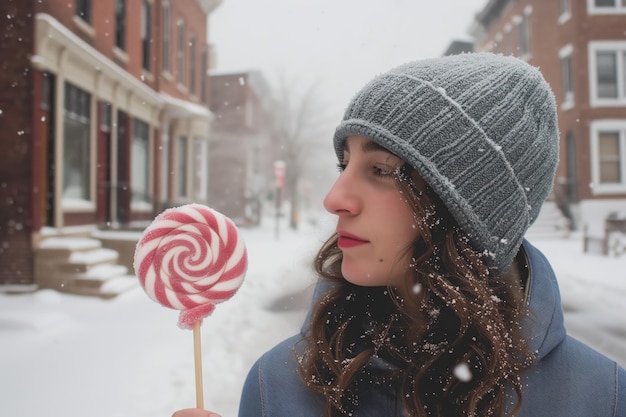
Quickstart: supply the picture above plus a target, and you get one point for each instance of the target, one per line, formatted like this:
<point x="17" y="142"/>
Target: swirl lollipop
<point x="189" y="259"/>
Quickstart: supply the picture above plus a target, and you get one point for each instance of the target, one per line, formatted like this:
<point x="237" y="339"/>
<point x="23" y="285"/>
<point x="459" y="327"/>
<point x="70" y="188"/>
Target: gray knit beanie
<point x="480" y="128"/>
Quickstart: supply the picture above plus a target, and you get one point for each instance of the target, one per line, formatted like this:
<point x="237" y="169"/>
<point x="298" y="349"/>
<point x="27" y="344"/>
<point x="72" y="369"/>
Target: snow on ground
<point x="72" y="356"/>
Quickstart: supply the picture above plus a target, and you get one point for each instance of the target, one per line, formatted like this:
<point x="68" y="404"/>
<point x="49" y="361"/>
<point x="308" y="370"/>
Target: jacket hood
<point x="544" y="326"/>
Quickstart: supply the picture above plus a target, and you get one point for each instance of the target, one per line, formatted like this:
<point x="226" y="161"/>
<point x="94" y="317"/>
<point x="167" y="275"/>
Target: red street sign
<point x="279" y="173"/>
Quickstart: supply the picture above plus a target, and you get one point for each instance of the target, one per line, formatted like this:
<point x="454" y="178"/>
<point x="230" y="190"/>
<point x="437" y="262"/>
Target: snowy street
<point x="71" y="356"/>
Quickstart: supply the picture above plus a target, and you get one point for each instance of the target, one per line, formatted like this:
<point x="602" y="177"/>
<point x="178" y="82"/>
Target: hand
<point x="194" y="412"/>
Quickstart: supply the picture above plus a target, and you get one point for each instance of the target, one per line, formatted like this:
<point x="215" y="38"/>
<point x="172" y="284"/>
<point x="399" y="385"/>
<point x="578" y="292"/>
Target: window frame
<point x="120" y="24"/>
<point x="140" y="181"/>
<point x="597" y="127"/>
<point x="507" y="40"/>
<point x="181" y="52"/>
<point x="619" y="48"/>
<point x="565" y="11"/>
<point x="524" y="35"/>
<point x="204" y="76"/>
<point x="617" y="8"/>
<point x="567" y="74"/>
<point x="77" y="111"/>
<point x="200" y="162"/>
<point x="192" y="64"/>
<point x="146" y="33"/>
<point x="84" y="11"/>
<point x="182" y="167"/>
<point x="167" y="37"/>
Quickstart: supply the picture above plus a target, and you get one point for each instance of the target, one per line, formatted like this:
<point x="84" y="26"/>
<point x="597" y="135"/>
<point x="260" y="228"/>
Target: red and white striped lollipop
<point x="191" y="258"/>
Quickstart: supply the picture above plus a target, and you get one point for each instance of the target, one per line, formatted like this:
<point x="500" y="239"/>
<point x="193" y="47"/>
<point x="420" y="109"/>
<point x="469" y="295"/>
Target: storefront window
<point x="140" y="162"/>
<point x="76" y="144"/>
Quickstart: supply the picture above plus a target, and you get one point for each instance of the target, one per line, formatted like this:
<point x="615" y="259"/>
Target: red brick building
<point x="580" y="47"/>
<point x="104" y="121"/>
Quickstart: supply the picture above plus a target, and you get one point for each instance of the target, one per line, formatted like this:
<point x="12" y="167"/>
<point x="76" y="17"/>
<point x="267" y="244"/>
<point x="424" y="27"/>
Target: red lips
<point x="348" y="240"/>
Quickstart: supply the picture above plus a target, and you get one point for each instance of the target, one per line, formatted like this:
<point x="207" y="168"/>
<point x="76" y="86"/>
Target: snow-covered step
<point x="80" y="265"/>
<point x="118" y="285"/>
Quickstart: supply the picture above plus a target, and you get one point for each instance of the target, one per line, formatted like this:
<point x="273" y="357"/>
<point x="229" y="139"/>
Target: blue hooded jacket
<point x="569" y="379"/>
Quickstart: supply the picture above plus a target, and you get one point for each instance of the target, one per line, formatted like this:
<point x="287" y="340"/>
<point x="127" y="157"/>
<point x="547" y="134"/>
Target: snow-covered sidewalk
<point x="71" y="356"/>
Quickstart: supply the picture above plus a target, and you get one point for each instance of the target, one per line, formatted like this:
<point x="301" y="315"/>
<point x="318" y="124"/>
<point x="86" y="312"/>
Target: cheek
<point x="406" y="225"/>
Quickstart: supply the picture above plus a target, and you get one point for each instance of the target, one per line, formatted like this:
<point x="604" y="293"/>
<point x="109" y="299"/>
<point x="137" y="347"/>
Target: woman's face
<point x="375" y="224"/>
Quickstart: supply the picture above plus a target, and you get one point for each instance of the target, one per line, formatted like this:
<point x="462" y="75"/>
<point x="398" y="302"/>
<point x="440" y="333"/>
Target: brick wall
<point x="16" y="122"/>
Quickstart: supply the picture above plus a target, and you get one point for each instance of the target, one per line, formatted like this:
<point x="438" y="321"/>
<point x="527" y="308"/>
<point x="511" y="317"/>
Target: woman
<point x="430" y="302"/>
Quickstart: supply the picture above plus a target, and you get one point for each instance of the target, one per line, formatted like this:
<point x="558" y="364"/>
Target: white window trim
<point x="602" y="125"/>
<point x="595" y="46"/>
<point x="617" y="9"/>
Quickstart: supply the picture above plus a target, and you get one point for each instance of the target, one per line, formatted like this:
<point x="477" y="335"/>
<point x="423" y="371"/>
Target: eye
<point x="384" y="170"/>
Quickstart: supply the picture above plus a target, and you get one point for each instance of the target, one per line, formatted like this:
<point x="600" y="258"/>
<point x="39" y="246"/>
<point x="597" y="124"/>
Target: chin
<point x="361" y="278"/>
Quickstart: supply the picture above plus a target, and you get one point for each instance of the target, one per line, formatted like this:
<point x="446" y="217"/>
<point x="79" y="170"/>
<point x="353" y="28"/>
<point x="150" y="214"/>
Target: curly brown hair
<point x="450" y="337"/>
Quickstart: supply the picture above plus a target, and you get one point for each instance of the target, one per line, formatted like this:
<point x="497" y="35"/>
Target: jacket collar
<point x="544" y="325"/>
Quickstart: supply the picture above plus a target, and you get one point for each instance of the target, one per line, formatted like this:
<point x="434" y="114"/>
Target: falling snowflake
<point x="463" y="372"/>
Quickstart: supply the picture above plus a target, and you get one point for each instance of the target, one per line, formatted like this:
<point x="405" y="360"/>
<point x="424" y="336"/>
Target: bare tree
<point x="300" y="130"/>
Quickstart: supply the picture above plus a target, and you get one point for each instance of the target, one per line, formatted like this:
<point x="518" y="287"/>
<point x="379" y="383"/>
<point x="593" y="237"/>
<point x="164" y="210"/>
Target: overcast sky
<point x="336" y="45"/>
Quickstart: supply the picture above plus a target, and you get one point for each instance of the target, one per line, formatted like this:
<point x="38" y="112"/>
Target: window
<point x="570" y="168"/>
<point x="607" y="73"/>
<point x="182" y="166"/>
<point x="181" y="52"/>
<point x="76" y="144"/>
<point x="606" y="6"/>
<point x="566" y="72"/>
<point x="145" y="34"/>
<point x="120" y="24"/>
<point x="523" y="39"/>
<point x="201" y="168"/>
<point x="192" y="65"/>
<point x="105" y="116"/>
<point x="203" y="77"/>
<point x="83" y="10"/>
<point x="507" y="41"/>
<point x="568" y="91"/>
<point x="566" y="11"/>
<point x="608" y="151"/>
<point x="565" y="7"/>
<point x="497" y="46"/>
<point x="140" y="157"/>
<point x="608" y="157"/>
<point x="167" y="39"/>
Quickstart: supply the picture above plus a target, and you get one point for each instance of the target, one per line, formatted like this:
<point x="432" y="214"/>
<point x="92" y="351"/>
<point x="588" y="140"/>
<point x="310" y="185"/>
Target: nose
<point x="343" y="197"/>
